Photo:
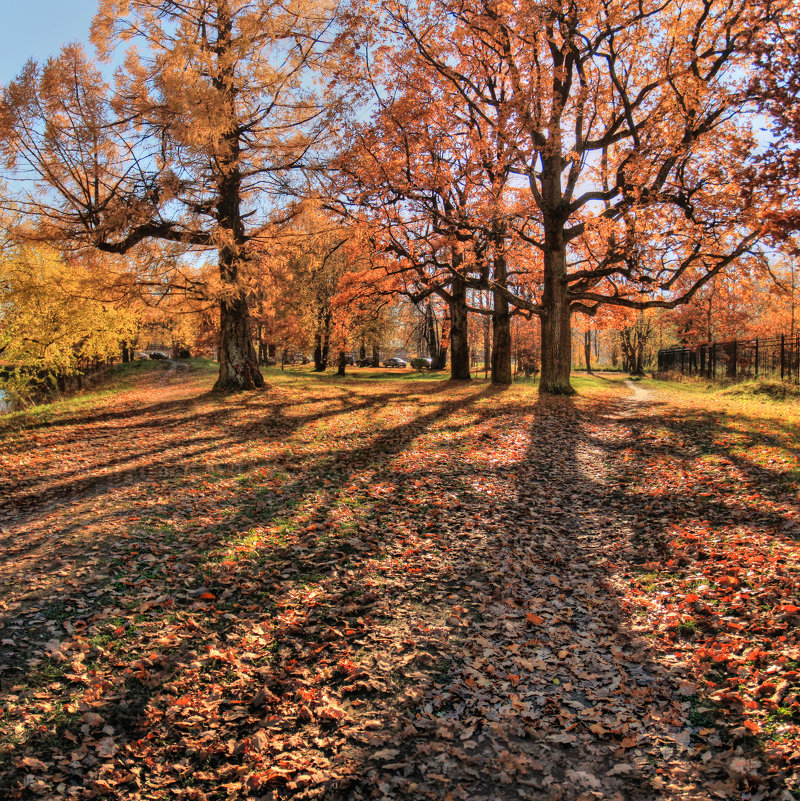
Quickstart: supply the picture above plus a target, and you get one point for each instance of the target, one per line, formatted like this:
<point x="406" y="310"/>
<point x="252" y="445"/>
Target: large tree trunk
<point x="341" y="363"/>
<point x="459" y="332"/>
<point x="238" y="365"/>
<point x="318" y="368"/>
<point x="376" y="356"/>
<point x="556" y="330"/>
<point x="501" y="328"/>
<point x="238" y="361"/>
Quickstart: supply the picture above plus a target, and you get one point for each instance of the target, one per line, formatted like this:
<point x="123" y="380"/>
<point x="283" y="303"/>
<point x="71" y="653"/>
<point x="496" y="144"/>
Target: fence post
<point x="756" y="357"/>
<point x="783" y="355"/>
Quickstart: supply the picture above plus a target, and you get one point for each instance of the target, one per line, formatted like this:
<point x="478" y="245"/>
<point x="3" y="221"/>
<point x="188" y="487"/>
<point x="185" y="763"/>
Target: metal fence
<point x="736" y="360"/>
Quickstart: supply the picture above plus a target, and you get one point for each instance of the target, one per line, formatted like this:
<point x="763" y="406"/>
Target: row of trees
<point x="539" y="160"/>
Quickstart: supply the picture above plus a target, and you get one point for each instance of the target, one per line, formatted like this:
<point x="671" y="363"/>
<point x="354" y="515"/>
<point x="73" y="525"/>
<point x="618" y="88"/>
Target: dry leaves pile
<point x="390" y="590"/>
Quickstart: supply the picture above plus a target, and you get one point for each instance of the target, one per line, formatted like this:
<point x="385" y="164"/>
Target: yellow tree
<point x="209" y="121"/>
<point x="51" y="318"/>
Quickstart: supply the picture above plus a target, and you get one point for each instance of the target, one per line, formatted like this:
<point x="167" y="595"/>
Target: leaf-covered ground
<point x="383" y="588"/>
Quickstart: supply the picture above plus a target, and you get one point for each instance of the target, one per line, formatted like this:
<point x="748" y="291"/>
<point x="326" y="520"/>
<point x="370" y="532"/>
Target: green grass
<point x="764" y="392"/>
<point x="119" y="377"/>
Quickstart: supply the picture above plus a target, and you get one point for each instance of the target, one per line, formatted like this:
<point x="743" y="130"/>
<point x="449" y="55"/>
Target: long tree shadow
<point x="173" y="450"/>
<point x="134" y="585"/>
<point x="559" y="692"/>
<point x="425" y="606"/>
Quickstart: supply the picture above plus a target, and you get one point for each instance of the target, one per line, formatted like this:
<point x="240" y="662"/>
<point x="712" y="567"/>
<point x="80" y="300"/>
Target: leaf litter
<point x="383" y="590"/>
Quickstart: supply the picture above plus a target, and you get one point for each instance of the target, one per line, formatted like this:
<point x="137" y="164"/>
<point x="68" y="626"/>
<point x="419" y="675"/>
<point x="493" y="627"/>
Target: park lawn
<point x="716" y="471"/>
<point x="756" y="421"/>
<point x="333" y="585"/>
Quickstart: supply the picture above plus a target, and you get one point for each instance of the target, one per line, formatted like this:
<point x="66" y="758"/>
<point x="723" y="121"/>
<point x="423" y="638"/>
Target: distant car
<point x="349" y="359"/>
<point x="395" y="362"/>
<point x="157" y="354"/>
<point x="421" y="363"/>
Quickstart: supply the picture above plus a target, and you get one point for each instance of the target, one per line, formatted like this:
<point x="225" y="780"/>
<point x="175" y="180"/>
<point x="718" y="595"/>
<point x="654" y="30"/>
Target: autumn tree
<point x="775" y="86"/>
<point x="408" y="176"/>
<point x="209" y="119"/>
<point x="624" y="122"/>
<point x="53" y="317"/>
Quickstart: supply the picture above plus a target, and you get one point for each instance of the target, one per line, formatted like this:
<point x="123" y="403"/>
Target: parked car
<point x="421" y="363"/>
<point x="395" y="362"/>
<point x="157" y="354"/>
<point x="349" y="359"/>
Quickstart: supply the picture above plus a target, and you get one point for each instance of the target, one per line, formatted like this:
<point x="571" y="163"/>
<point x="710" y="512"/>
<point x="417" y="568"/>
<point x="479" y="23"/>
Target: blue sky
<point x="38" y="28"/>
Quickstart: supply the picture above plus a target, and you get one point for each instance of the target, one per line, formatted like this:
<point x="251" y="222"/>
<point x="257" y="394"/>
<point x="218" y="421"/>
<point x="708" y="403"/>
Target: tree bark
<point x="341" y="363"/>
<point x="318" y="368"/>
<point x="262" y="346"/>
<point x="322" y="341"/>
<point x="238" y="365"/>
<point x="440" y="362"/>
<point x="556" y="330"/>
<point x="501" y="326"/>
<point x="587" y="349"/>
<point x="238" y="362"/>
<point x="487" y="346"/>
<point x="459" y="332"/>
<point x="376" y="356"/>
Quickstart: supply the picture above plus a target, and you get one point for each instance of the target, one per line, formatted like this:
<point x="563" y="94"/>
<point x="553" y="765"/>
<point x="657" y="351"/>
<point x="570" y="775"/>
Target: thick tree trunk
<point x="459" y="332"/>
<point x="556" y="330"/>
<point x="238" y="365"/>
<point x="238" y="361"/>
<point x="501" y="328"/>
<point x="126" y="352"/>
<point x="318" y="368"/>
<point x="341" y="363"/>
<point x="376" y="356"/>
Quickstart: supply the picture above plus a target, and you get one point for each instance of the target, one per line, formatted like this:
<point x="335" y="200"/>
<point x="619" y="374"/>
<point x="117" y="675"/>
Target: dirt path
<point x="553" y="693"/>
<point x="640" y="394"/>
